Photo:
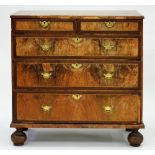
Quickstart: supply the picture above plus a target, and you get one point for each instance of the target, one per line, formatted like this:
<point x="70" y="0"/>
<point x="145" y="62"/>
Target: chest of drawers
<point x="77" y="70"/>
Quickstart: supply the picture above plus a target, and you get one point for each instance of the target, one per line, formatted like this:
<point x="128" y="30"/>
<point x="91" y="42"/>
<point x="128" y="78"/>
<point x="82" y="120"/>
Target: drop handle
<point x="45" y="47"/>
<point x="46" y="108"/>
<point x="46" y="75"/>
<point x="107" y="108"/>
<point x="108" y="45"/>
<point x="108" y="76"/>
<point x="109" y="24"/>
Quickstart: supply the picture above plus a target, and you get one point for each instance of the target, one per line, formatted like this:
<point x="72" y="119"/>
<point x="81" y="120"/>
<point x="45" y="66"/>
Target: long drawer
<point x="103" y="75"/>
<point x="75" y="46"/>
<point x="78" y="107"/>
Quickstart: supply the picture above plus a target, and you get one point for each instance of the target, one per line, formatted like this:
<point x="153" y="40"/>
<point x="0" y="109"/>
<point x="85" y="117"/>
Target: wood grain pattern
<point x="101" y="26"/>
<point x="35" y="26"/>
<point x="83" y="47"/>
<point x="87" y="108"/>
<point x="88" y="75"/>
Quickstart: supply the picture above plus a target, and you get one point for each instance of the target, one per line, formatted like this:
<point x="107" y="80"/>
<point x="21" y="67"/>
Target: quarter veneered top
<point x="67" y="14"/>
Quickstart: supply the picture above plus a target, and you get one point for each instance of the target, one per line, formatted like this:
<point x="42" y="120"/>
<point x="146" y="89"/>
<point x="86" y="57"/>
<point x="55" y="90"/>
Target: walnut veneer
<point x="77" y="70"/>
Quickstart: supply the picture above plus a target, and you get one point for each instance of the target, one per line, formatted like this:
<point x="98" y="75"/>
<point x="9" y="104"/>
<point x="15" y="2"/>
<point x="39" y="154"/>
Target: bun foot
<point x="135" y="138"/>
<point x="18" y="137"/>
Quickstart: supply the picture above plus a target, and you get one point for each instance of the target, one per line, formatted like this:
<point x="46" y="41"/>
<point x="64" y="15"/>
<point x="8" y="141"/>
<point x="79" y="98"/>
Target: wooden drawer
<point x="78" y="107"/>
<point x="110" y="26"/>
<point x="45" y="46"/>
<point x="41" y="25"/>
<point x="123" y="75"/>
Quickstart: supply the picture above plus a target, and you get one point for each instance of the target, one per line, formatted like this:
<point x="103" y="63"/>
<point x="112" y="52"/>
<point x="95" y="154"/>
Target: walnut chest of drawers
<point x="77" y="70"/>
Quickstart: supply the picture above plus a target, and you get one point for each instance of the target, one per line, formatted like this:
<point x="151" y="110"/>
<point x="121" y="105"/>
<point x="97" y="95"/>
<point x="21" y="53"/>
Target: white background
<point x="76" y="2"/>
<point x="77" y="138"/>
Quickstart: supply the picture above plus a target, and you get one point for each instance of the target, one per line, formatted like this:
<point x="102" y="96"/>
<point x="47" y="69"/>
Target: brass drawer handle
<point x="46" y="75"/>
<point x="108" y="76"/>
<point x="108" y="45"/>
<point x="76" y="66"/>
<point x="45" y="47"/>
<point x="109" y="24"/>
<point x="44" y="24"/>
<point x="46" y="108"/>
<point x="107" y="108"/>
<point x="76" y="97"/>
<point x="77" y="40"/>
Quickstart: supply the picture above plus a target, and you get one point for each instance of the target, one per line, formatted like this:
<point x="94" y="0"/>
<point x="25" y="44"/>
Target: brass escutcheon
<point x="44" y="24"/>
<point x="77" y="40"/>
<point x="76" y="66"/>
<point x="76" y="96"/>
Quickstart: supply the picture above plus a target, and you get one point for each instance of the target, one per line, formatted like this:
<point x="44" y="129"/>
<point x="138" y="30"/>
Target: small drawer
<point x="88" y="47"/>
<point x="103" y="75"/>
<point x="43" y="25"/>
<point x="78" y="107"/>
<point x="109" y="26"/>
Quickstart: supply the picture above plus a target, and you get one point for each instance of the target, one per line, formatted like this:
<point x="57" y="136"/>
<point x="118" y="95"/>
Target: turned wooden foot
<point x="135" y="138"/>
<point x="129" y="130"/>
<point x="18" y="137"/>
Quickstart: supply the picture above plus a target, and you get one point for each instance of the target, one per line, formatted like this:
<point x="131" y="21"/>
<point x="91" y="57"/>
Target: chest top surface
<point x="79" y="14"/>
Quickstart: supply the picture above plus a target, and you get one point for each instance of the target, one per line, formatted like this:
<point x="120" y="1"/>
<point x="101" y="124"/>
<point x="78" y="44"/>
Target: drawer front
<point x="77" y="46"/>
<point x="42" y="25"/>
<point x="77" y="75"/>
<point x="110" y="26"/>
<point x="78" y="107"/>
